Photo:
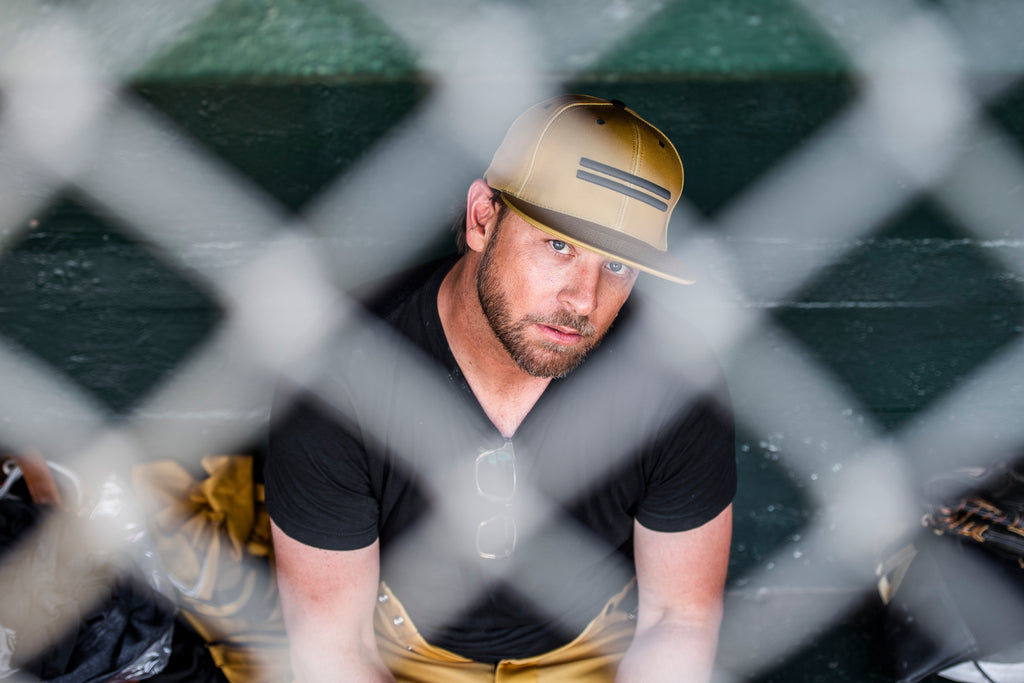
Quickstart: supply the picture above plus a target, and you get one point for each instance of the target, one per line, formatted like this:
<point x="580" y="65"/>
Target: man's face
<point x="548" y="302"/>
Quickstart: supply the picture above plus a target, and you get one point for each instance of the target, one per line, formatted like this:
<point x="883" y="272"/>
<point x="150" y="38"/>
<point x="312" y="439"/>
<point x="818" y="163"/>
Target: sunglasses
<point x="496" y="482"/>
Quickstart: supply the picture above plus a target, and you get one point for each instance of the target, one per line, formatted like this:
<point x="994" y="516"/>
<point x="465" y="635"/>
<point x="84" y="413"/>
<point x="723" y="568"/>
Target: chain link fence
<point x="917" y="128"/>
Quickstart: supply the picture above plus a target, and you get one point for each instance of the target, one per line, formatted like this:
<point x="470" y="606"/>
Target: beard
<point x="537" y="358"/>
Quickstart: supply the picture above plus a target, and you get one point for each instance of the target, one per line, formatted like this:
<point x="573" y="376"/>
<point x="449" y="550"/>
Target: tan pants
<point x="593" y="657"/>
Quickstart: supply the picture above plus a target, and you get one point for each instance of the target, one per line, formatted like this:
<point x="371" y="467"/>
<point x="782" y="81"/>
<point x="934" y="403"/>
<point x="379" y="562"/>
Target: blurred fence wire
<point x="915" y="128"/>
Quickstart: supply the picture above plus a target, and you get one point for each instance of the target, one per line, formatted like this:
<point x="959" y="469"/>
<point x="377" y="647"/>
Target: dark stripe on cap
<point x="622" y="189"/>
<point x="627" y="177"/>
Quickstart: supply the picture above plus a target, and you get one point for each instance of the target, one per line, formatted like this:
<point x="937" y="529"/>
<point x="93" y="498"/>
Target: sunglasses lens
<point x="496" y="481"/>
<point x="496" y="537"/>
<point x="496" y="475"/>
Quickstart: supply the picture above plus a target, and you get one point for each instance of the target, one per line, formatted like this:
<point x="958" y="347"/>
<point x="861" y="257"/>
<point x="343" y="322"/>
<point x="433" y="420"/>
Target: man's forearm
<point x="671" y="652"/>
<point x="357" y="667"/>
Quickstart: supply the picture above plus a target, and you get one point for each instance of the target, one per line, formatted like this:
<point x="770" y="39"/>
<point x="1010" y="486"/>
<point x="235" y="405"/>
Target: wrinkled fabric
<point x="213" y="536"/>
<point x="592" y="657"/>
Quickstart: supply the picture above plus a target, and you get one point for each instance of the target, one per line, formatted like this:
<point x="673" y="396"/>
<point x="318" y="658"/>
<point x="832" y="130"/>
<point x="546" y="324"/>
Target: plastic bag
<point x="85" y="598"/>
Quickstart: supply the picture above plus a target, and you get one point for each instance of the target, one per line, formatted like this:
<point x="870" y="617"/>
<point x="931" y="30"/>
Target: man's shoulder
<point x="399" y="311"/>
<point x="385" y="297"/>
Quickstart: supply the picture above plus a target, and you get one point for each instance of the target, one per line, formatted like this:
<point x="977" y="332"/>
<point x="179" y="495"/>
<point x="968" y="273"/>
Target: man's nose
<point x="579" y="293"/>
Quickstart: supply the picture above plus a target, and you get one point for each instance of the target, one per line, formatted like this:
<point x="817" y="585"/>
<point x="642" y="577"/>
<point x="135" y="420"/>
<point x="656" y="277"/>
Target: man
<point x="474" y="506"/>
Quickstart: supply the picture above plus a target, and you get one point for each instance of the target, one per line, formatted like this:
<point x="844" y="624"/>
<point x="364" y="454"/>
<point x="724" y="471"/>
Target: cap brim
<point x="605" y="241"/>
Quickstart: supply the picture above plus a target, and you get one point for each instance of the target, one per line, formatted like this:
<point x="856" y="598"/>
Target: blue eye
<point x="559" y="246"/>
<point x="618" y="268"/>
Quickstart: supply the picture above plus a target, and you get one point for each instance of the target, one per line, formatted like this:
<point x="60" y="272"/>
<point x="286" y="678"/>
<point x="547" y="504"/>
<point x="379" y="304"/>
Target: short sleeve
<point x="691" y="474"/>
<point x="319" y="487"/>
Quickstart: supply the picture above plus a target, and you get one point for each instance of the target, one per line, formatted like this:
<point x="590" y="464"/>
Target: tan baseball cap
<point x="593" y="173"/>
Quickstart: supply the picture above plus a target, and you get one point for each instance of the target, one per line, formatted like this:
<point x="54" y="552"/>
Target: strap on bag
<point x="37" y="475"/>
<point x="39" y="479"/>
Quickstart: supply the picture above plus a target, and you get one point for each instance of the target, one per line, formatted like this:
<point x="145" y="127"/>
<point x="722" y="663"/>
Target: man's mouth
<point x="563" y="328"/>
<point x="561" y="334"/>
<point x="564" y="335"/>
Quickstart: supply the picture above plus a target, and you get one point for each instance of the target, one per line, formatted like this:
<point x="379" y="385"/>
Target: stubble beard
<point x="539" y="358"/>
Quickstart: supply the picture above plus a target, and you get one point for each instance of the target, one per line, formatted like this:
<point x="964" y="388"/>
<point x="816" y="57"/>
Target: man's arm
<point x="681" y="579"/>
<point x="328" y="599"/>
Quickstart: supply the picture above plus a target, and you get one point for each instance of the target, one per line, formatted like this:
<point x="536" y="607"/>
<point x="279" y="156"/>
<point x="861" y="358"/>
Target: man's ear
<point x="481" y="215"/>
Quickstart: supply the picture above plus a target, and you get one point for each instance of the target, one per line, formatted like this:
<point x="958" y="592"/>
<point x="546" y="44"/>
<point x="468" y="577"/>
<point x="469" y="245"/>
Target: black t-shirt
<point x="386" y="450"/>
